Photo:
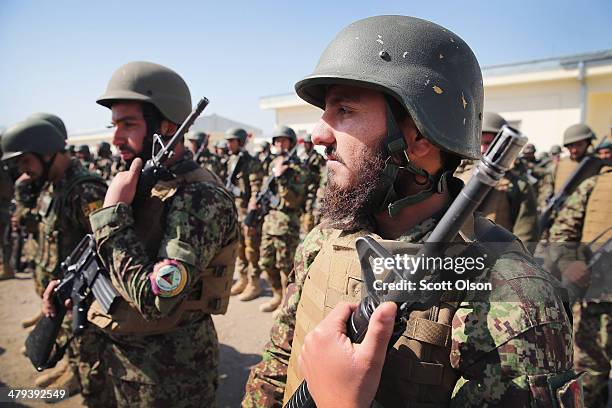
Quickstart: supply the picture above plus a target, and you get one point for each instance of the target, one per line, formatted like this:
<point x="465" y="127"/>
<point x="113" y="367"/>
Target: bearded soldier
<point x="170" y="256"/>
<point x="512" y="203"/>
<point x="402" y="100"/>
<point x="314" y="165"/>
<point x="68" y="196"/>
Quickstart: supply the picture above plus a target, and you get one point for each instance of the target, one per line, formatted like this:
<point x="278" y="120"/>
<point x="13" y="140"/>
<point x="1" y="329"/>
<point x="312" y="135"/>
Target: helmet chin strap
<point x="396" y="146"/>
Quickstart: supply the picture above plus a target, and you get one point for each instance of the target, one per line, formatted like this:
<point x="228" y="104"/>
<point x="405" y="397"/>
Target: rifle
<point x="200" y="152"/>
<point x="229" y="183"/>
<point x="490" y="169"/>
<point x="589" y="166"/>
<point x="83" y="275"/>
<point x="155" y="169"/>
<point x="267" y="197"/>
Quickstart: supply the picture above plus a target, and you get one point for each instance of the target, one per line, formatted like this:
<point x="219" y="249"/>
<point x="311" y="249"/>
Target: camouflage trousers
<point x="175" y="369"/>
<point x="593" y="349"/>
<point x="277" y="252"/>
<point x="247" y="257"/>
<point x="85" y="355"/>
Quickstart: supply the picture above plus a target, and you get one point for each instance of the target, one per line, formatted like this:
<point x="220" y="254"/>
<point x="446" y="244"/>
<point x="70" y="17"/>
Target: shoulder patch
<point x="169" y="278"/>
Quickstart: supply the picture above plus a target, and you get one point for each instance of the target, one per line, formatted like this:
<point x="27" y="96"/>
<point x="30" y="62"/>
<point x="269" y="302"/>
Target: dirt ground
<point x="242" y="332"/>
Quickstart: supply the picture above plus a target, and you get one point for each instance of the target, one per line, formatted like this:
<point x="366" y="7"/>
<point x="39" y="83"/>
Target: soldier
<point x="265" y="157"/>
<point x="69" y="194"/>
<point x="399" y="114"/>
<point x="199" y="147"/>
<point x="221" y="153"/>
<point x="605" y="150"/>
<point x="546" y="167"/>
<point x="103" y="165"/>
<point x="244" y="177"/>
<point x="84" y="155"/>
<point x="6" y="195"/>
<point x="513" y="203"/>
<point x="314" y="165"/>
<point x="71" y="150"/>
<point x="281" y="227"/>
<point x="586" y="217"/>
<point x="170" y="258"/>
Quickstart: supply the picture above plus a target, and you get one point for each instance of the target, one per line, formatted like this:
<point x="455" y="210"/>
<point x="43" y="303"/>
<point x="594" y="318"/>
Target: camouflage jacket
<point x="247" y="178"/>
<point x="64" y="208"/>
<point x="498" y="347"/>
<point x="199" y="219"/>
<point x="104" y="167"/>
<point x="566" y="232"/>
<point x="313" y="164"/>
<point x="284" y="218"/>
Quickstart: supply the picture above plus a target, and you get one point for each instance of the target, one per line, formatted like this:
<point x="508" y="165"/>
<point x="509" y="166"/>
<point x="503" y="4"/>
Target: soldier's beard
<point x="349" y="207"/>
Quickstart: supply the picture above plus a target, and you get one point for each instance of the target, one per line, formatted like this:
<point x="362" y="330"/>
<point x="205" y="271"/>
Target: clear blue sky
<point x="57" y="56"/>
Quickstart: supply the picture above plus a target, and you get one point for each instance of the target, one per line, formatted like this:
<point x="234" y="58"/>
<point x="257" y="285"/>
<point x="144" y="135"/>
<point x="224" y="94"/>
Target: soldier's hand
<point x="123" y="187"/>
<point x="48" y="309"/>
<point x="340" y="373"/>
<point x="279" y="168"/>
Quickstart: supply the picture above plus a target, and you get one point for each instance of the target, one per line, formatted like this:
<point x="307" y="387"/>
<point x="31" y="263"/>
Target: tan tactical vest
<point x="211" y="294"/>
<point x="564" y="168"/>
<point x="418" y="369"/>
<point x="598" y="214"/>
<point x="495" y="205"/>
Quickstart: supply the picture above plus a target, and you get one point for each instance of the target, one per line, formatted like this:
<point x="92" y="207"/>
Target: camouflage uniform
<point x="519" y="213"/>
<point x="104" y="167"/>
<point x="247" y="183"/>
<point x="593" y="318"/>
<point x="176" y="367"/>
<point x="281" y="226"/>
<point x="499" y="349"/>
<point x="314" y="165"/>
<point x="210" y="161"/>
<point x="64" y="208"/>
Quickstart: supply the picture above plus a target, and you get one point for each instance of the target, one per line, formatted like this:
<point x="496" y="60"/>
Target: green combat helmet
<point x="104" y="148"/>
<point x="555" y="150"/>
<point x="197" y="135"/>
<point x="576" y="133"/>
<point x="36" y="136"/>
<point x="84" y="149"/>
<point x="430" y="71"/>
<point x="492" y="122"/>
<point x="151" y="83"/>
<point x="54" y="120"/>
<point x="236" y="133"/>
<point x="285" y="131"/>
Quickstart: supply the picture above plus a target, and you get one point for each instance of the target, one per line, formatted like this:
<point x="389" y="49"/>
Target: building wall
<point x="301" y="118"/>
<point x="543" y="110"/>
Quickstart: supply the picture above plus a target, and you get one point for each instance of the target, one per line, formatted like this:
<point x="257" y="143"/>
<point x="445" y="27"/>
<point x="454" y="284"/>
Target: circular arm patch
<point x="169" y="278"/>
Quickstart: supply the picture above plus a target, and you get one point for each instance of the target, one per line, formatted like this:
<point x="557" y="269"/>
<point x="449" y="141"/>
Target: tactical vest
<point x="54" y="240"/>
<point x="598" y="215"/>
<point x="495" y="205"/>
<point x="564" y="169"/>
<point x="417" y="371"/>
<point x="241" y="180"/>
<point x="210" y="294"/>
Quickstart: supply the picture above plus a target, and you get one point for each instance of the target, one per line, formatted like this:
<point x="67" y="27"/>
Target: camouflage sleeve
<point x="266" y="384"/>
<point x="84" y="199"/>
<point x="546" y="189"/>
<point x="567" y="226"/>
<point x="255" y="178"/>
<point x="526" y="339"/>
<point x="201" y="219"/>
<point x="291" y="186"/>
<point x="524" y="208"/>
